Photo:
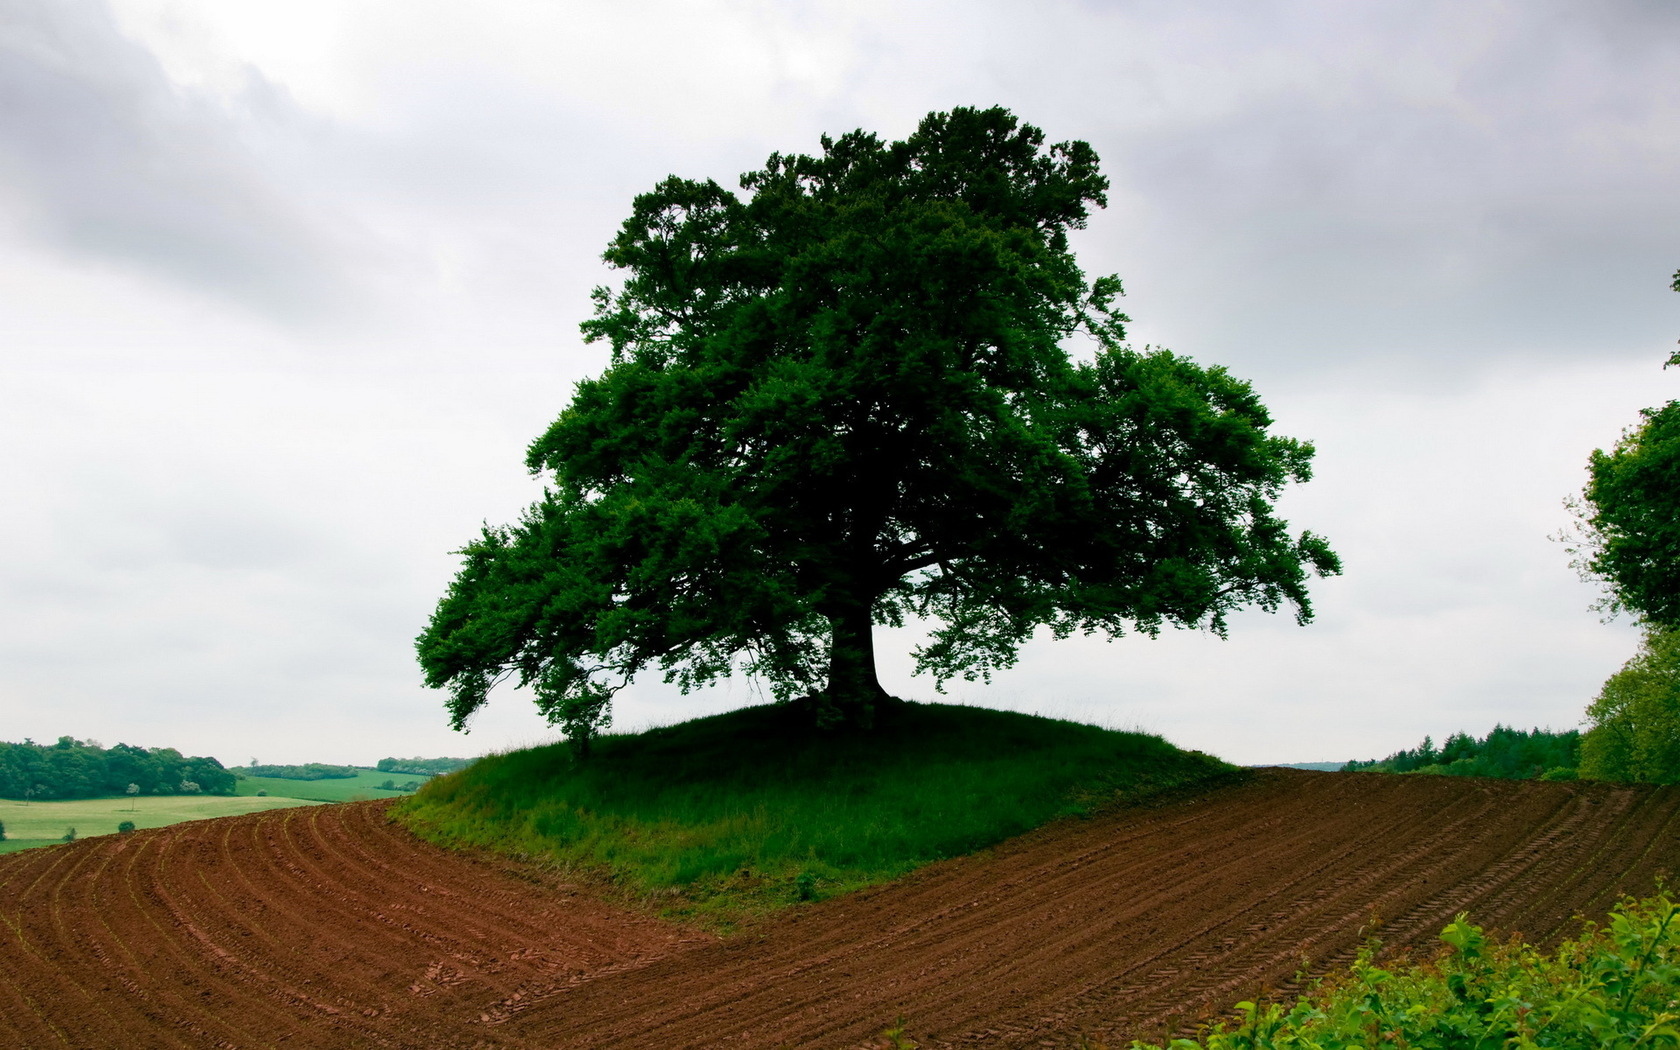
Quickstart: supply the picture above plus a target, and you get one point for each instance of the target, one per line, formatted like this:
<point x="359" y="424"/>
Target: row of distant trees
<point x="73" y="768"/>
<point x="422" y="766"/>
<point x="1510" y="754"/>
<point x="303" y="771"/>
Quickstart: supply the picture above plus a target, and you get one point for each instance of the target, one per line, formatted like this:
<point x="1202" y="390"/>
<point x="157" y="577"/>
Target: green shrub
<point x="805" y="886"/>
<point x="1615" y="986"/>
<point x="1635" y="734"/>
<point x="69" y="835"/>
<point x="125" y="827"/>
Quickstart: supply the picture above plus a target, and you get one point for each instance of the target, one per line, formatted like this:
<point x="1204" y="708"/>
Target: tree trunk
<point x="853" y="690"/>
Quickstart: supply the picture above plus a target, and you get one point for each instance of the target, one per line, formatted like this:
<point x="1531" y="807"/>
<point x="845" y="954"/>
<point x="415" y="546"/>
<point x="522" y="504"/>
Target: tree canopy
<point x="74" y="768"/>
<point x="1635" y="733"/>
<point x="1632" y="518"/>
<point x="845" y="396"/>
<point x="1629" y="517"/>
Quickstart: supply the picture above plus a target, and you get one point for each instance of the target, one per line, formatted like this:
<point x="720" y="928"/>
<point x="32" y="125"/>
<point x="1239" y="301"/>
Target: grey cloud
<point x="1493" y="184"/>
<point x="102" y="156"/>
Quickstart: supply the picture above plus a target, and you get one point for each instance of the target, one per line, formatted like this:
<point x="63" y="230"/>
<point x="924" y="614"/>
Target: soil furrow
<point x="330" y="926"/>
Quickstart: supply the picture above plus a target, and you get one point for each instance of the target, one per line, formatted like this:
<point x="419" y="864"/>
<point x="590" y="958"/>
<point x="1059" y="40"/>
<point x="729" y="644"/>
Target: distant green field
<point x="44" y="823"/>
<point x="364" y="785"/>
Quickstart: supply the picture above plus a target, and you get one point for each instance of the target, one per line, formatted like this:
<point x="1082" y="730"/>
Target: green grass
<point x="43" y="823"/>
<point x="738" y="814"/>
<point x="362" y="786"/>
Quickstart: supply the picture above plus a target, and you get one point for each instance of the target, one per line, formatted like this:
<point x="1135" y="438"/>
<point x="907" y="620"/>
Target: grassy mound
<point x="741" y="813"/>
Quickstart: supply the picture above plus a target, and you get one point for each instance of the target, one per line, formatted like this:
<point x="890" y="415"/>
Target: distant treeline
<point x="83" y="769"/>
<point x="306" y="771"/>
<point x="423" y="766"/>
<point x="1511" y="754"/>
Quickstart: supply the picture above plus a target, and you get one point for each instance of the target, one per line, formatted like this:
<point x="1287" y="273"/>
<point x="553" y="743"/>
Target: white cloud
<point x="102" y="156"/>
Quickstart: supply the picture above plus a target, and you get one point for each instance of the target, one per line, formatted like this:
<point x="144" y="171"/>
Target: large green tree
<point x="1628" y="534"/>
<point x="845" y="396"/>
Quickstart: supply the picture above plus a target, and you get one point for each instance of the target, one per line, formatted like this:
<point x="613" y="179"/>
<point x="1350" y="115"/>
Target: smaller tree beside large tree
<point x="1635" y="733"/>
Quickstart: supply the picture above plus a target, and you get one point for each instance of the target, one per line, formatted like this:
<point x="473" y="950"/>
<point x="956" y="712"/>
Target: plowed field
<point x="330" y="927"/>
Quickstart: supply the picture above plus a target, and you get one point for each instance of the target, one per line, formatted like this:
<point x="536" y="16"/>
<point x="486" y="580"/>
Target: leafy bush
<point x="2" y="831"/>
<point x="1615" y="986"/>
<point x="125" y="827"/>
<point x="69" y="834"/>
<point x="1635" y="734"/>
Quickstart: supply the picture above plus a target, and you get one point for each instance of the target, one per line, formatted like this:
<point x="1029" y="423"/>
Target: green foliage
<point x="306" y="771"/>
<point x="896" y="1037"/>
<point x="2" y="831"/>
<point x="1614" y="987"/>
<point x="805" y="886"/>
<point x="125" y="827"/>
<point x="1506" y="753"/>
<point x="69" y="835"/>
<point x="1628" y="517"/>
<point x="843" y="398"/>
<point x="74" y="768"/>
<point x="1635" y="732"/>
<point x="424" y="767"/>
<point x="1674" y="358"/>
<point x="749" y="811"/>
<point x="1634" y="519"/>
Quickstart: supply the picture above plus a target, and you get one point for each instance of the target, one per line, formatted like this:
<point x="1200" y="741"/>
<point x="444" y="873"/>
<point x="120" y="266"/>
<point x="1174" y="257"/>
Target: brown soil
<point x="330" y="927"/>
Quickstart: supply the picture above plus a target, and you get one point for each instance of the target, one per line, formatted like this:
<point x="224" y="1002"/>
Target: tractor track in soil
<point x="330" y="926"/>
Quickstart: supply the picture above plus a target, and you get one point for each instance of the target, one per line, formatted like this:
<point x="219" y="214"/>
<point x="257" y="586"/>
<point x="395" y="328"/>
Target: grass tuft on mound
<point x="739" y="814"/>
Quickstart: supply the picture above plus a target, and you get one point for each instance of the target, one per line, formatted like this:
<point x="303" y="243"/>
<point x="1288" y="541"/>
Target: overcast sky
<point x="287" y="287"/>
